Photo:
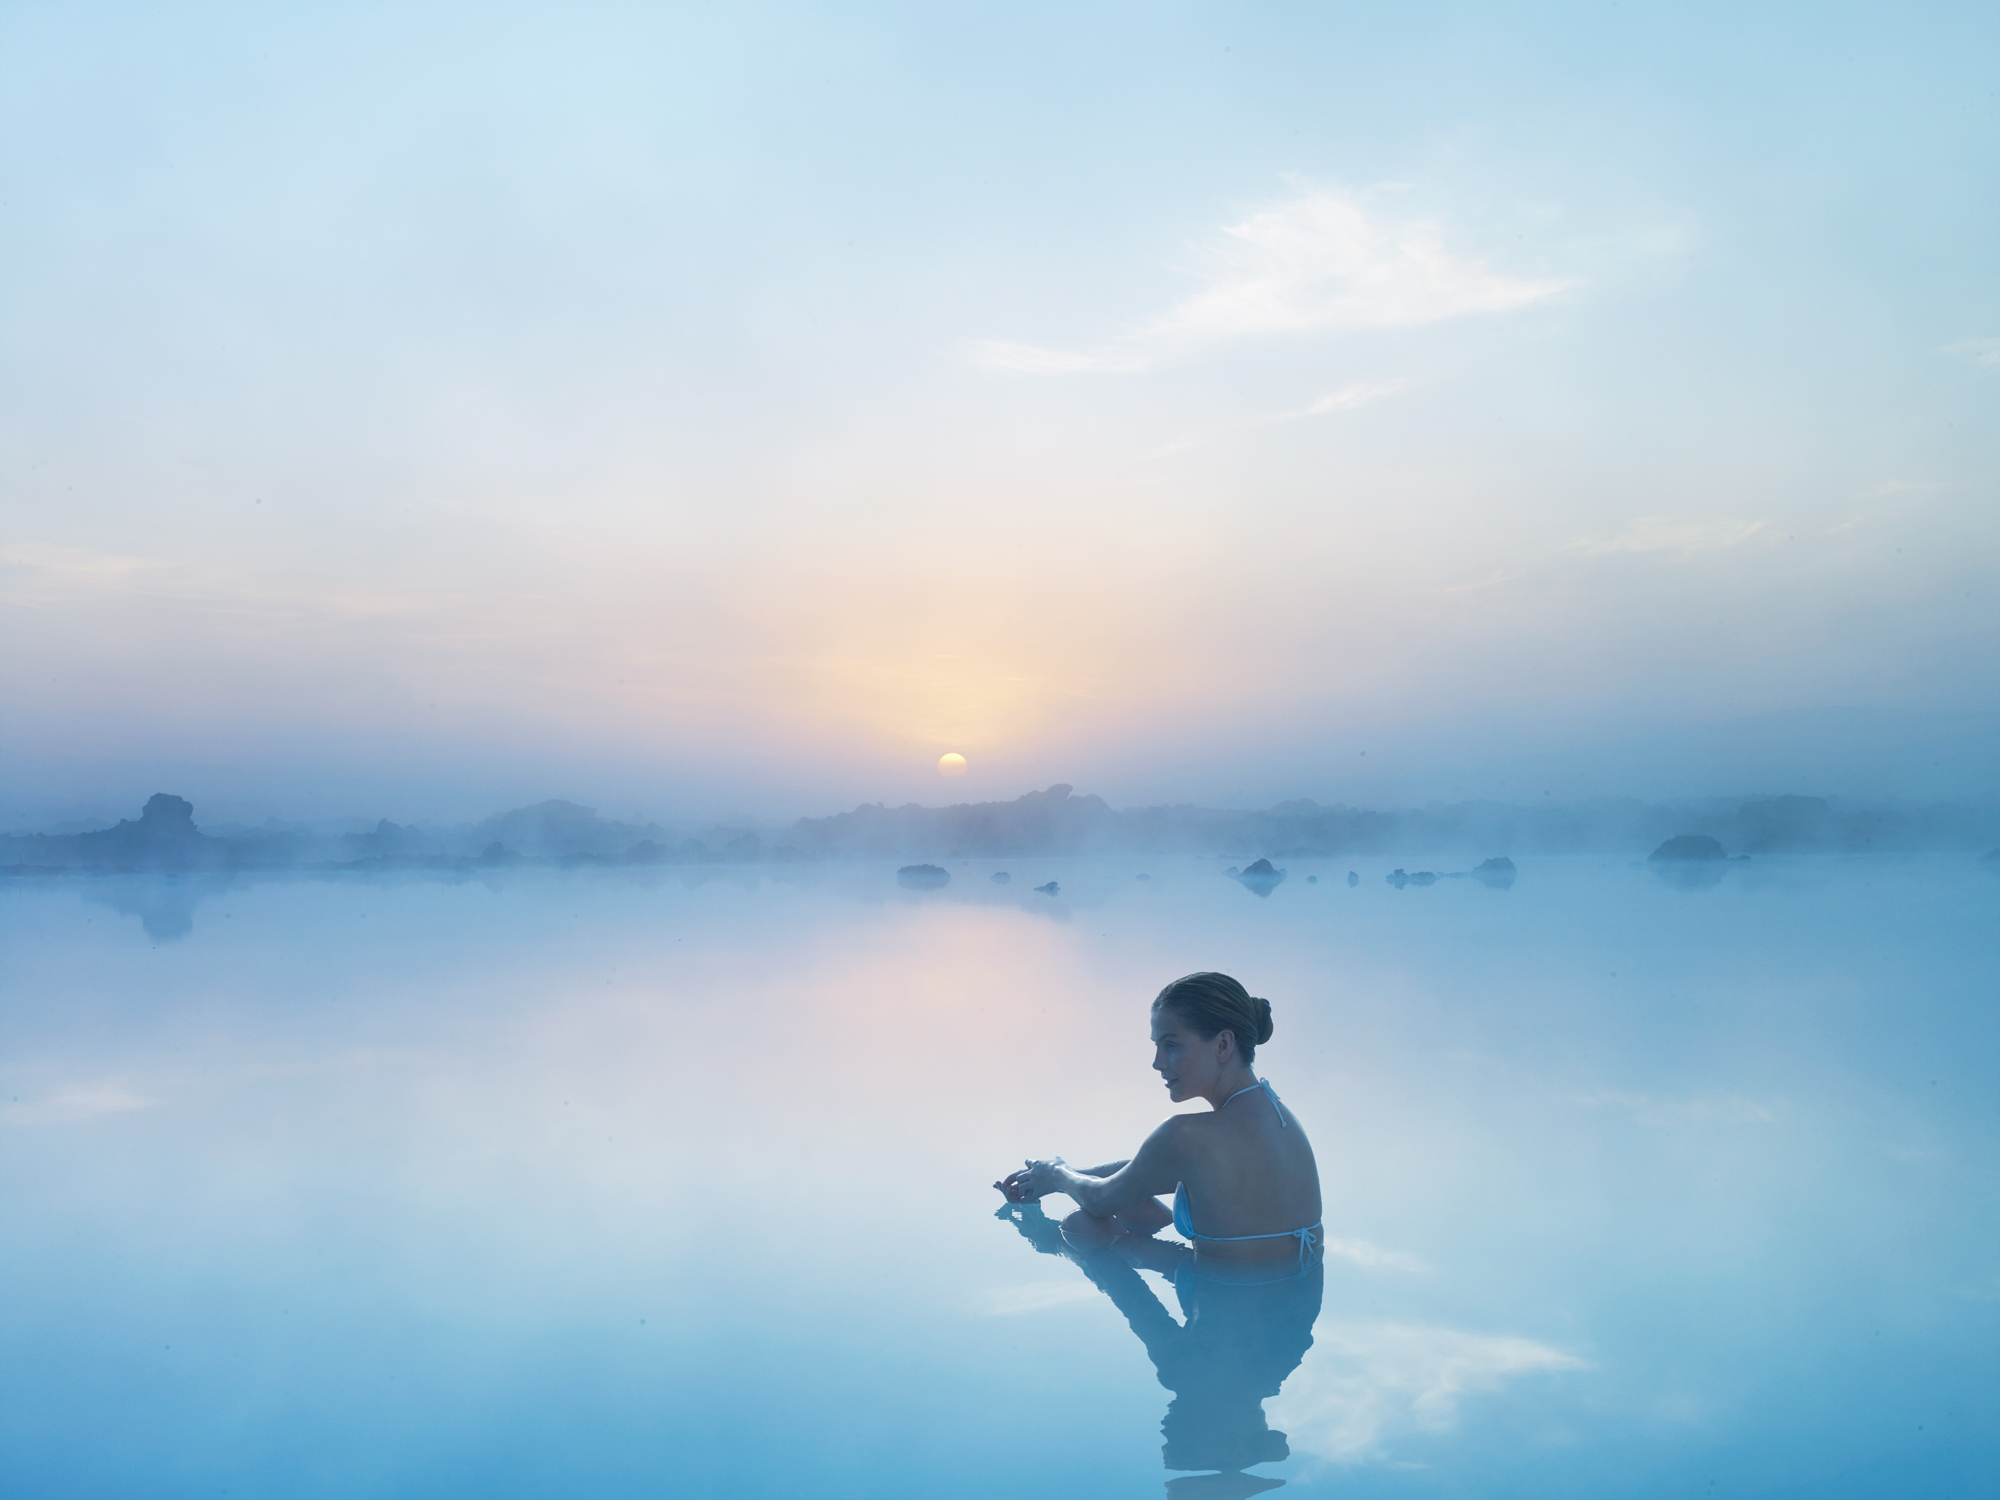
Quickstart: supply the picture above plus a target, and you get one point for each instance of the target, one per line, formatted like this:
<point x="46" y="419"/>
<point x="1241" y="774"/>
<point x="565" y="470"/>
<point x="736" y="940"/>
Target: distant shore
<point x="1056" y="821"/>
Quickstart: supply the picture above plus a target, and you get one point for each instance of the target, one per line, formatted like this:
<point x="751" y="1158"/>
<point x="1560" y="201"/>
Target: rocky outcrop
<point x="1261" y="877"/>
<point x="1055" y="821"/>
<point x="556" y="828"/>
<point x="162" y="837"/>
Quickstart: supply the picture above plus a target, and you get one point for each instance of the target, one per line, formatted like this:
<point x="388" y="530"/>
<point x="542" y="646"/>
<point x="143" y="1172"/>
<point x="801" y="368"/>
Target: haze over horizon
<point x="422" y="411"/>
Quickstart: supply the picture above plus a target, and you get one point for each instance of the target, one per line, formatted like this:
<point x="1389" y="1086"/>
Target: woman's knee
<point x="1085" y="1232"/>
<point x="1146" y="1216"/>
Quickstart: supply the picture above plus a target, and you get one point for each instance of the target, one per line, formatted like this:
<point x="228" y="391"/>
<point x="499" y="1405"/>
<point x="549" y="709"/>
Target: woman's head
<point x="1203" y="1025"/>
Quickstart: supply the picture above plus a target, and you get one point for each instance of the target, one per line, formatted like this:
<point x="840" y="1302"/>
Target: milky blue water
<point x="618" y="1183"/>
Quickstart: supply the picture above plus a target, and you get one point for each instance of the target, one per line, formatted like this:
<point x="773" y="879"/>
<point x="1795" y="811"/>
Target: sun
<point x="951" y="764"/>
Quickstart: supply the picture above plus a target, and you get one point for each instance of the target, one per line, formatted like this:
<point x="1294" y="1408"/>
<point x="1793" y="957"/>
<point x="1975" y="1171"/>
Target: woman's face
<point x="1189" y="1063"/>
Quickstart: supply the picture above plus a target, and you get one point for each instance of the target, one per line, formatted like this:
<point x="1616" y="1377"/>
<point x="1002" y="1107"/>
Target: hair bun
<point x="1215" y="1003"/>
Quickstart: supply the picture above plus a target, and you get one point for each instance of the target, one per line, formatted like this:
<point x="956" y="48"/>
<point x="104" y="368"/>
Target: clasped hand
<point x="1032" y="1182"/>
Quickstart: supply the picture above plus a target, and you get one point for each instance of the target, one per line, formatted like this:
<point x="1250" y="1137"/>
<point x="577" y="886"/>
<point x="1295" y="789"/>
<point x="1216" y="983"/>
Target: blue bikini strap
<point x="1308" y="1242"/>
<point x="1265" y="1085"/>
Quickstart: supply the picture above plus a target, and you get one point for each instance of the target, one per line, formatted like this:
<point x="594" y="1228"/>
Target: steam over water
<point x="627" y="1181"/>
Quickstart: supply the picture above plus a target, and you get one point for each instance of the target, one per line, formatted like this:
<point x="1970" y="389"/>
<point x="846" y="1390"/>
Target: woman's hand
<point x="1014" y="1185"/>
<point x="1040" y="1178"/>
<point x="1032" y="1182"/>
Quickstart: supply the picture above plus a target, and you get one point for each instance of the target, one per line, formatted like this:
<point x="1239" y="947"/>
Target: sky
<point x="418" y="410"/>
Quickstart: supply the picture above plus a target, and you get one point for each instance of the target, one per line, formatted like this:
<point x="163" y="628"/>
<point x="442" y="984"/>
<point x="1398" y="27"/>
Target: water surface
<point x="559" y="1183"/>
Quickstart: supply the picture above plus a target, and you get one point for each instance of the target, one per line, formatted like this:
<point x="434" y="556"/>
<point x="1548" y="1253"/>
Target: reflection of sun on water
<point x="951" y="764"/>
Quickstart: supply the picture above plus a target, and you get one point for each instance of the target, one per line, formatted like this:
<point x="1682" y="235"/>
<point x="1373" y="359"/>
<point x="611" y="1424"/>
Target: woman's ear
<point x="1225" y="1047"/>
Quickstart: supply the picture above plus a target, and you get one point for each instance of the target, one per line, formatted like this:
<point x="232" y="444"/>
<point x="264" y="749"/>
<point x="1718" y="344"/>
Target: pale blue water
<point x="614" y="1184"/>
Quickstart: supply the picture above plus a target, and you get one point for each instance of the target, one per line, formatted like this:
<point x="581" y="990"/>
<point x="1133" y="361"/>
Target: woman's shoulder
<point x="1176" y="1131"/>
<point x="1189" y="1130"/>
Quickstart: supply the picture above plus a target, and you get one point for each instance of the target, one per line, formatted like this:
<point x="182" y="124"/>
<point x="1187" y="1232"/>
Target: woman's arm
<point x="1015" y="1183"/>
<point x="1107" y="1169"/>
<point x="1100" y="1193"/>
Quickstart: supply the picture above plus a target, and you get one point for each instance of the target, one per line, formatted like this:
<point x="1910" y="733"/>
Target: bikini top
<point x="1308" y="1237"/>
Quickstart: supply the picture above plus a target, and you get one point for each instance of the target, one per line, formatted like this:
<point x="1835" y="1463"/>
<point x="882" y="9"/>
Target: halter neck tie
<point x="1265" y="1085"/>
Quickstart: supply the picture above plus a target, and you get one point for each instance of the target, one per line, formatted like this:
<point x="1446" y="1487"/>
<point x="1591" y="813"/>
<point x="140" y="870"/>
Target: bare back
<point x="1248" y="1170"/>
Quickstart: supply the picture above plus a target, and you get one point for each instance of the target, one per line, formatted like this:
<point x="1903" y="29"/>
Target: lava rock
<point x="1262" y="877"/>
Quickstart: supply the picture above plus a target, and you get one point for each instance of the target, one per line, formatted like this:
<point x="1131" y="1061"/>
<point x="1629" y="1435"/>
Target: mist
<point x="1056" y="821"/>
<point x="633" y="638"/>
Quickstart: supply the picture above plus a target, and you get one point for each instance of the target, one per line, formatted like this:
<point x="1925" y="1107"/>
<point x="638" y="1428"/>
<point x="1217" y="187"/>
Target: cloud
<point x="85" y="1102"/>
<point x="1665" y="534"/>
<point x="1373" y="1257"/>
<point x="1011" y="1302"/>
<point x="1679" y="1114"/>
<point x="1323" y="261"/>
<point x="1982" y="354"/>
<point x="1319" y="262"/>
<point x="1364" y="1384"/>
<point x="1347" y="398"/>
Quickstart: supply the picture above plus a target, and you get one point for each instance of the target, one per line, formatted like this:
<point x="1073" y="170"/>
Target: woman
<point x="1245" y="1185"/>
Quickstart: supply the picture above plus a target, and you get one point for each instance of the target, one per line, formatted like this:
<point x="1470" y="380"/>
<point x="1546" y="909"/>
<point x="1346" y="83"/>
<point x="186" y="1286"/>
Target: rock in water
<point x="1689" y="846"/>
<point x="1497" y="873"/>
<point x="168" y="816"/>
<point x="923" y="877"/>
<point x="1000" y="877"/>
<point x="1051" y="889"/>
<point x="1354" y="877"/>
<point x="1262" y="877"/>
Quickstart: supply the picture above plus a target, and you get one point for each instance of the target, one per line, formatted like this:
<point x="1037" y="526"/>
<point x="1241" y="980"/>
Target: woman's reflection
<point x="1236" y="1343"/>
